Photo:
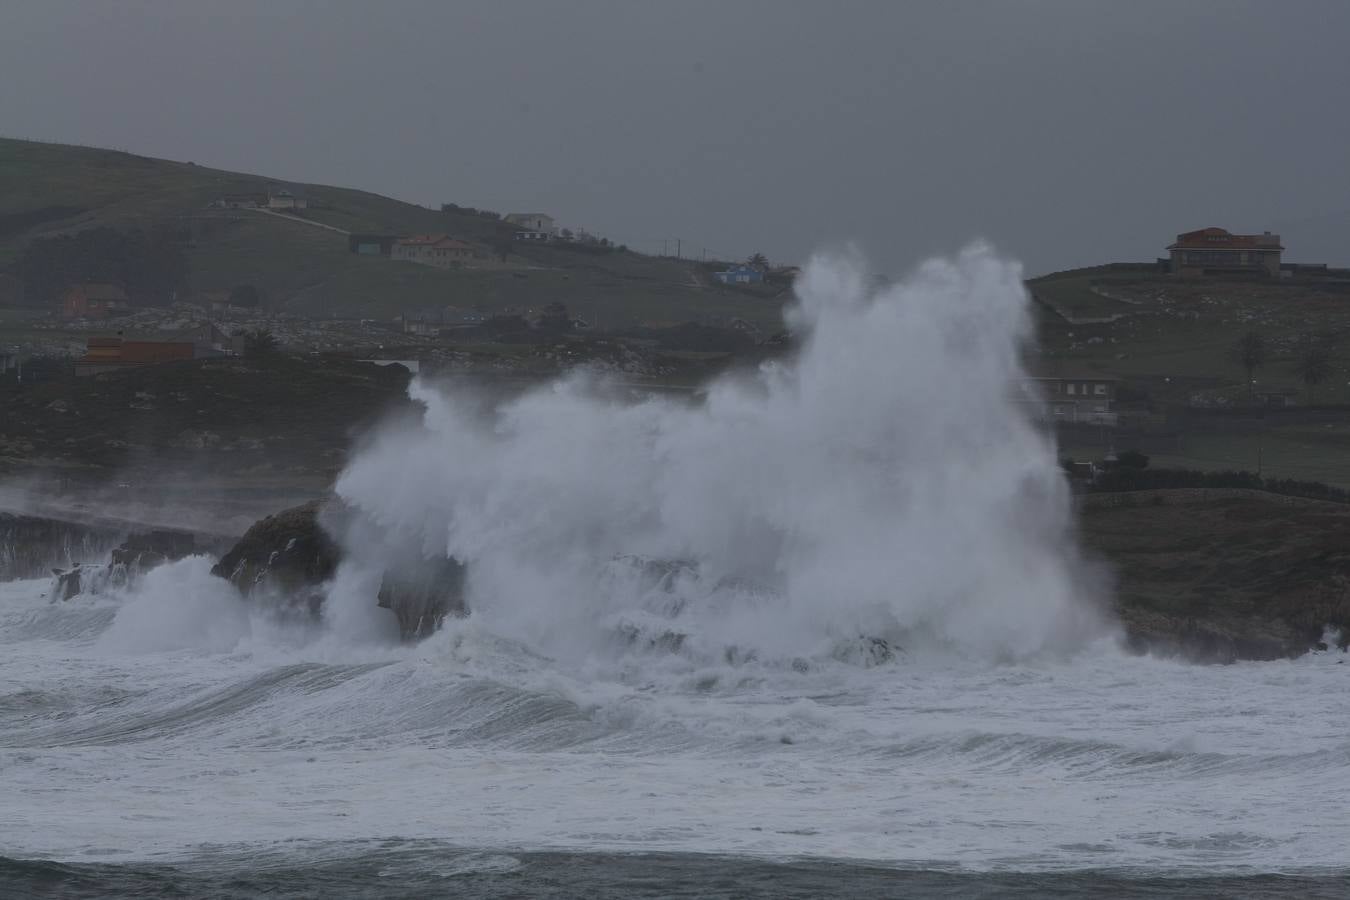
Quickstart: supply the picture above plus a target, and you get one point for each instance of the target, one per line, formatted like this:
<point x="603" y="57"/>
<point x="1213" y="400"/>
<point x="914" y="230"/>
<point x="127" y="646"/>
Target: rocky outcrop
<point x="128" y="561"/>
<point x="142" y="552"/>
<point x="31" y="546"/>
<point x="1215" y="639"/>
<point x="422" y="596"/>
<point x="1220" y="577"/>
<point x="289" y="553"/>
<point x="68" y="584"/>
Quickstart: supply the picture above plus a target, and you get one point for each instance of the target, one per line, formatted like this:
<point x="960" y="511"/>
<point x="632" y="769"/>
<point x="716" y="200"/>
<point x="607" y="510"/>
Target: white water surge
<point x="832" y="609"/>
<point x="883" y="484"/>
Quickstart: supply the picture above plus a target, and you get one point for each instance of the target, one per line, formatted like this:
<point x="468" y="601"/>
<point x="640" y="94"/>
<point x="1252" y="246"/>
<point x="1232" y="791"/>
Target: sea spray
<point x="883" y="484"/>
<point x="179" y="605"/>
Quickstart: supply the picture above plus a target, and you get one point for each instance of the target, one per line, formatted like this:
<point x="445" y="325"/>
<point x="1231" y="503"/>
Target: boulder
<point x="288" y="552"/>
<point x="422" y="596"/>
<point x="68" y="583"/>
<point x="31" y="545"/>
<point x="142" y="552"/>
<point x="291" y="555"/>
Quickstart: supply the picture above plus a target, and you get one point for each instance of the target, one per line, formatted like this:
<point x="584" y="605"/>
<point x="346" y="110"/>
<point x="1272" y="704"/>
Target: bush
<point x="1132" y="459"/>
<point x="259" y="342"/>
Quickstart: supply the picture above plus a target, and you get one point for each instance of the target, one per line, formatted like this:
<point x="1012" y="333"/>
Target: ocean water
<point x="808" y="634"/>
<point x="292" y="765"/>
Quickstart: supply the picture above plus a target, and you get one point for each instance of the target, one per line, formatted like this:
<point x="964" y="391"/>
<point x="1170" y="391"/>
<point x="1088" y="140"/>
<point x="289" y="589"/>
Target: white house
<point x="285" y="199"/>
<point x="533" y="222"/>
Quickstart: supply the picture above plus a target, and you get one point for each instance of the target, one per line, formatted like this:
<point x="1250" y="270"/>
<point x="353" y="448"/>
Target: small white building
<point x="285" y="199"/>
<point x="533" y="222"/>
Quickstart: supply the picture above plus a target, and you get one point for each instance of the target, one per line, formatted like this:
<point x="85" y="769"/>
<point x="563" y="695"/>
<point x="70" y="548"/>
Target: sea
<point x="807" y="634"/>
<point x="468" y="766"/>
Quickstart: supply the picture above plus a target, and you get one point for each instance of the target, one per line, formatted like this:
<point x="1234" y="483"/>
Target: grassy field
<point x="1305" y="453"/>
<point x="47" y="189"/>
<point x="1175" y="338"/>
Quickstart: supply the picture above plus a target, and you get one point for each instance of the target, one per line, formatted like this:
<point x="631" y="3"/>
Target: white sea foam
<point x="179" y="606"/>
<point x="881" y="483"/>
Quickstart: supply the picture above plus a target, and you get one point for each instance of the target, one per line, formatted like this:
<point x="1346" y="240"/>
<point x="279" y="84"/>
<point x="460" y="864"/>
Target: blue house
<point x="740" y="275"/>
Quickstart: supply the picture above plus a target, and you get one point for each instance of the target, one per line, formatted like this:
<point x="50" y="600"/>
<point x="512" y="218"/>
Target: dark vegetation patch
<point x="1218" y="580"/>
<point x="275" y="412"/>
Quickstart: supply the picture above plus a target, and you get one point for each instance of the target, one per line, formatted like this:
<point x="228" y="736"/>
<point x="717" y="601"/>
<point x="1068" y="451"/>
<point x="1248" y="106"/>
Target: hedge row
<point x="1122" y="479"/>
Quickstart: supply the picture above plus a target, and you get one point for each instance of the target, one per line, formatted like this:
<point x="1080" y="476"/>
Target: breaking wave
<point x="881" y="484"/>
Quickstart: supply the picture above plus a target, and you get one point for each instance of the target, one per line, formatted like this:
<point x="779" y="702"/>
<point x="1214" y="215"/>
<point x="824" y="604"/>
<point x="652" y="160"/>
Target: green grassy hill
<point x="1171" y="342"/>
<point x="1175" y="338"/>
<point x="49" y="189"/>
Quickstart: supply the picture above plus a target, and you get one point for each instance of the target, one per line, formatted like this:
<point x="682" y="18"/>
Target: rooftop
<point x="1219" y="238"/>
<point x="94" y="291"/>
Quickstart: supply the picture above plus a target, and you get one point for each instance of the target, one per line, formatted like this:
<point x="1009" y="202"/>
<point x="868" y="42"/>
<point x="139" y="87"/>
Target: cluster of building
<point x="447" y="252"/>
<point x="745" y="273"/>
<point x="1074" y="398"/>
<point x="94" y="301"/>
<point x="1210" y="252"/>
<point x="113" y="354"/>
<point x="275" y="198"/>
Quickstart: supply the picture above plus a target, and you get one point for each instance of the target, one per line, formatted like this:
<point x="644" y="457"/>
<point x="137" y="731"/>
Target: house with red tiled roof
<point x="437" y="250"/>
<point x="1214" y="251"/>
<point x="93" y="301"/>
<point x="113" y="354"/>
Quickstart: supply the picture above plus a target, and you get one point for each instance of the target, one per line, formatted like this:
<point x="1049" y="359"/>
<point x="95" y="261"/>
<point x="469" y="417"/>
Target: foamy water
<point x="1100" y="761"/>
<point x="831" y="610"/>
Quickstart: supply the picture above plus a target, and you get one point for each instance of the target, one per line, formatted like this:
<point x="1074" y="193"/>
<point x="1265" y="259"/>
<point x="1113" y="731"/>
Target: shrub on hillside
<point x="1132" y="459"/>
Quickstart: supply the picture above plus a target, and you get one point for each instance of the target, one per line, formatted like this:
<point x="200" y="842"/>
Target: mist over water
<point x="882" y="483"/>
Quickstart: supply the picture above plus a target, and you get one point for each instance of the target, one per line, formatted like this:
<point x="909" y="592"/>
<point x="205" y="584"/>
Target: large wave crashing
<point x="883" y="485"/>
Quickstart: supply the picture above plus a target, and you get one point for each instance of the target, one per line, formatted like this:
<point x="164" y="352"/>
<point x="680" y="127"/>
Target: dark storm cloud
<point x="1066" y="132"/>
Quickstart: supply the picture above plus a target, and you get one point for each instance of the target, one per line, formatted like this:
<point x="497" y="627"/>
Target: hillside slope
<point x="1176" y="336"/>
<point x="50" y="189"/>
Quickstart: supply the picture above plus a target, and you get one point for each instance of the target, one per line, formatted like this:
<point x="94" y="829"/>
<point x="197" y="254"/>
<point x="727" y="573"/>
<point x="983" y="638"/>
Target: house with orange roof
<point x="1214" y="251"/>
<point x="93" y="301"/>
<point x="438" y="250"/>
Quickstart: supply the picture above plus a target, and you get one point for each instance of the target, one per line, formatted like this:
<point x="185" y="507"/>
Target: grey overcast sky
<point x="1068" y="132"/>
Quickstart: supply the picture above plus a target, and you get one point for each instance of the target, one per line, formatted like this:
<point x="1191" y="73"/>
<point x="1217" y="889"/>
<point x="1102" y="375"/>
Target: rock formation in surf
<point x="288" y="554"/>
<point x="292" y="555"/>
<point x="131" y="559"/>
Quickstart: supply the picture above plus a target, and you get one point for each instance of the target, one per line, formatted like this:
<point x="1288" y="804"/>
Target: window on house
<point x="1068" y="389"/>
<point x="1100" y="390"/>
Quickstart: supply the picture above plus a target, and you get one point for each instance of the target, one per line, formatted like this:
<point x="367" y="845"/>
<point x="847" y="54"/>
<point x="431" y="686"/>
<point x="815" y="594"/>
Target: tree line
<point x="1311" y="359"/>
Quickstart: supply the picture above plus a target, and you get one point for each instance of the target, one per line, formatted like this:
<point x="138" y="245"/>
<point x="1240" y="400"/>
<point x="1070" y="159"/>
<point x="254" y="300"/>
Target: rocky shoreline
<point x="1209" y="577"/>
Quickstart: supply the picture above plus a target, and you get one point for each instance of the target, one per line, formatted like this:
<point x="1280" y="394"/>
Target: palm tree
<point x="758" y="261"/>
<point x="1312" y="362"/>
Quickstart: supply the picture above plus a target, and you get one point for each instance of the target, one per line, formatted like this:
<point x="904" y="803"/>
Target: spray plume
<point x="884" y="483"/>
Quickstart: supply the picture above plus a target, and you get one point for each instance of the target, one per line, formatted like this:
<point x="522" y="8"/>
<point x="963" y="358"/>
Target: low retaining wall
<point x="1181" y="496"/>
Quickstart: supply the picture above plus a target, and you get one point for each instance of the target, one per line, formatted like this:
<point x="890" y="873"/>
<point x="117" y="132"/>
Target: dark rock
<point x="31" y="546"/>
<point x="422" y="596"/>
<point x="1211" y="640"/>
<point x="1214" y="576"/>
<point x="288" y="552"/>
<point x="67" y="583"/>
<point x="142" y="552"/>
<point x="292" y="555"/>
